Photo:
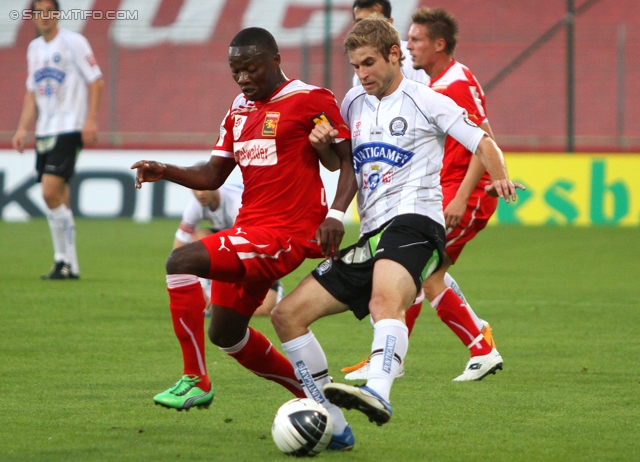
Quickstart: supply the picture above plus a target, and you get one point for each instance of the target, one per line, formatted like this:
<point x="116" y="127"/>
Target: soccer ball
<point x="302" y="427"/>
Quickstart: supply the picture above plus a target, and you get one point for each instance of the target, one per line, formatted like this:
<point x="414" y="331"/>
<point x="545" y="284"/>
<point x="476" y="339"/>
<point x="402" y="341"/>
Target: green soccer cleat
<point x="185" y="394"/>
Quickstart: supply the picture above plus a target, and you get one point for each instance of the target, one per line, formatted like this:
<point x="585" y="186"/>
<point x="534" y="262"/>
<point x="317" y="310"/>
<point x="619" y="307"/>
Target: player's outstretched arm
<point x="492" y="158"/>
<point x="202" y="177"/>
<point x="329" y="234"/>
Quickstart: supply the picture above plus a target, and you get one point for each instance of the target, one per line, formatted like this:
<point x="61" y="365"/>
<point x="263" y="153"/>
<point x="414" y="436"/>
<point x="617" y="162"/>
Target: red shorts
<point x="264" y="254"/>
<point x="480" y="207"/>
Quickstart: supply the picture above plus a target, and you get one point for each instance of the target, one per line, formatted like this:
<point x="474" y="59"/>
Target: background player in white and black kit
<point x="64" y="86"/>
<point x="363" y="9"/>
<point x="220" y="208"/>
<point x="398" y="128"/>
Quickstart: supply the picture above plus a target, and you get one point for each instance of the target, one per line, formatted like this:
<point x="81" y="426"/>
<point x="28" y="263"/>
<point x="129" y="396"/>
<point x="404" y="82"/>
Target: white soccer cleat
<point x="479" y="367"/>
<point x="363" y="372"/>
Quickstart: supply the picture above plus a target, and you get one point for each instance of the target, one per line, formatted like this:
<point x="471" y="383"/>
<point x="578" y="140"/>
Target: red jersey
<point x="459" y="84"/>
<point x="269" y="140"/>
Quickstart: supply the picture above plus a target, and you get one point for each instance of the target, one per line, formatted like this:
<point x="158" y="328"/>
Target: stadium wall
<point x="167" y="82"/>
<point x="562" y="189"/>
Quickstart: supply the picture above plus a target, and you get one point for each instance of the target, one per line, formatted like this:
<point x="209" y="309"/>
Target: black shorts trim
<point x="414" y="241"/>
<point x="57" y="154"/>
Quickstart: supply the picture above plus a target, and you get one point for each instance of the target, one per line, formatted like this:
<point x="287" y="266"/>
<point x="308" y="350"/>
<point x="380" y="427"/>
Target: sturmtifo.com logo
<point x="75" y="15"/>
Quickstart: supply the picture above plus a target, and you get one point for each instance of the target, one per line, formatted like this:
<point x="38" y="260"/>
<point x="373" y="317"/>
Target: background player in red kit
<point x="281" y="222"/>
<point x="467" y="208"/>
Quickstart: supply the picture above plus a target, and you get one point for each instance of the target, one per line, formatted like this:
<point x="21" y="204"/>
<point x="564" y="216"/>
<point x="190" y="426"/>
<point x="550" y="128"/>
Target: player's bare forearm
<point x="90" y="129"/>
<point x="347" y="184"/>
<point x="27" y="116"/>
<point x="474" y="172"/>
<point x="492" y="158"/>
<point x="322" y="138"/>
<point x="330" y="233"/>
<point x="202" y="177"/>
<point x="328" y="159"/>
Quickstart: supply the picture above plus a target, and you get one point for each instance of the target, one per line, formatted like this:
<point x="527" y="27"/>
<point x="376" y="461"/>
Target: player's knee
<point x="52" y="198"/>
<point x="382" y="306"/>
<point x="188" y="259"/>
<point x="284" y="318"/>
<point x="224" y="336"/>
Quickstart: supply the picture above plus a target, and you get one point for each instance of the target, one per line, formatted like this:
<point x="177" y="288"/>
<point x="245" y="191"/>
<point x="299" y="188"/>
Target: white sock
<point x="389" y="347"/>
<point x="57" y="219"/>
<point x="70" y="236"/>
<point x="450" y="282"/>
<point x="311" y="368"/>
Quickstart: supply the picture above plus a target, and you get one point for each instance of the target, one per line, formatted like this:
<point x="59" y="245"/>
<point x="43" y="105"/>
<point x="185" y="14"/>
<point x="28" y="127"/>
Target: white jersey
<point x="223" y="217"/>
<point x="408" y="71"/>
<point x="398" y="146"/>
<point x="59" y="71"/>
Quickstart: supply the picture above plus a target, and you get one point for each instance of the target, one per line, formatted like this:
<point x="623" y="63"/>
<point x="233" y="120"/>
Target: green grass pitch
<point x="81" y="360"/>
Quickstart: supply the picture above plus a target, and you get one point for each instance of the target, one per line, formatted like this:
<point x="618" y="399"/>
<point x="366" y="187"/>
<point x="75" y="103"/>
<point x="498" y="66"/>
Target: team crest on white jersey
<point x="238" y="125"/>
<point x="398" y="126"/>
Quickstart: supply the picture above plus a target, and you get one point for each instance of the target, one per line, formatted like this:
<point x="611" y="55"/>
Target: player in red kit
<point x="467" y="207"/>
<point x="281" y="222"/>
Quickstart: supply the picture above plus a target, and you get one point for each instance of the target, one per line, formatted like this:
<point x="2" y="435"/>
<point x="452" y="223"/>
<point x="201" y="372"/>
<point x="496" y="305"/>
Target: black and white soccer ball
<point x="302" y="427"/>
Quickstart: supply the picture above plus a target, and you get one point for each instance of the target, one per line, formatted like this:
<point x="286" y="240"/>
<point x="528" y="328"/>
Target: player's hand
<point x="504" y="188"/>
<point x="322" y="135"/>
<point x="329" y="236"/>
<point x="89" y="132"/>
<point x="18" y="140"/>
<point x="148" y="171"/>
<point x="454" y="212"/>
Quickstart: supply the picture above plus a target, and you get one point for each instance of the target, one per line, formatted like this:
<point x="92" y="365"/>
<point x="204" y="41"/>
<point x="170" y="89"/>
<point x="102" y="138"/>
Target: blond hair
<point x="376" y="32"/>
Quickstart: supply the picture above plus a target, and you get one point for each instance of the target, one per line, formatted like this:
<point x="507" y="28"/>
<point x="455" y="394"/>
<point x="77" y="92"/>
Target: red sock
<point x="187" y="312"/>
<point x="453" y="312"/>
<point x="411" y="315"/>
<point x="261" y="358"/>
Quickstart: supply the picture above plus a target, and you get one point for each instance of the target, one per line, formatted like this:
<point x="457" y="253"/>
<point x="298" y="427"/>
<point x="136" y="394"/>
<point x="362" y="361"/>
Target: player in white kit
<point x="363" y="9"/>
<point x="220" y="208"/>
<point x="64" y="86"/>
<point x="398" y="129"/>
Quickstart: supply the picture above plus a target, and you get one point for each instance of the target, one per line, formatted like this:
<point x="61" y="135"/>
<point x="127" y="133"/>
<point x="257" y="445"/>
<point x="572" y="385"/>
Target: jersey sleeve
<point x="466" y="133"/>
<point x="191" y="217"/>
<point x="84" y="59"/>
<point x="468" y="95"/>
<point x="31" y="83"/>
<point x="224" y="145"/>
<point x="452" y="119"/>
<point x="322" y="105"/>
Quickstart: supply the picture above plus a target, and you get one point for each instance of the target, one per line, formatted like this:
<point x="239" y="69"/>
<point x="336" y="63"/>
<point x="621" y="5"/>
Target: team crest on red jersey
<point x="270" y="126"/>
<point x="322" y="117"/>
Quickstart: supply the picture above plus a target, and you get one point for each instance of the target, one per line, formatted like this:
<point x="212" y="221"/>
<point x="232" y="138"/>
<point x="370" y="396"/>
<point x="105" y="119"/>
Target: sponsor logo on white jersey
<point x="255" y="152"/>
<point x="380" y="152"/>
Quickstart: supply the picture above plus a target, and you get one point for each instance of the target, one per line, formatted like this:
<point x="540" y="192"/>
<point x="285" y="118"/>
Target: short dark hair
<point x="440" y="24"/>
<point x="366" y="4"/>
<point x="55" y="4"/>
<point x="255" y="36"/>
